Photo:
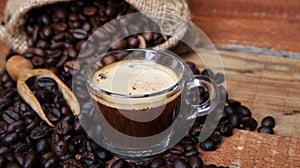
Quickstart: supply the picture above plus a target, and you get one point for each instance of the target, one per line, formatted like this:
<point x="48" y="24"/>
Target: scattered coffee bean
<point x="195" y="162"/>
<point x="208" y="145"/>
<point x="266" y="130"/>
<point x="268" y="121"/>
<point x="180" y="163"/>
<point x="119" y="164"/>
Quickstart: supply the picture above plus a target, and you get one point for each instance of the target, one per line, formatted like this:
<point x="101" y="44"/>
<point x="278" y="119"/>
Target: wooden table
<point x="267" y="84"/>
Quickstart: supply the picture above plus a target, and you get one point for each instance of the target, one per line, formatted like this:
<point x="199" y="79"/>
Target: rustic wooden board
<point x="262" y="23"/>
<point x="252" y="150"/>
<point x="267" y="85"/>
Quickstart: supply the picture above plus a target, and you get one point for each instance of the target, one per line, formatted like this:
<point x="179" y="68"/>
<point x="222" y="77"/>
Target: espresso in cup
<point x="143" y="113"/>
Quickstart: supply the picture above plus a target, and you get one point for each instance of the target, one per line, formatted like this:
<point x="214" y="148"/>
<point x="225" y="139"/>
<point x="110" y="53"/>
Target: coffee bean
<point x="216" y="137"/>
<point x="22" y="148"/>
<point x="47" y="32"/>
<point x="31" y="159"/>
<point x="192" y="152"/>
<point x="10" y="138"/>
<point x="63" y="127"/>
<point x="243" y="111"/>
<point x="39" y="132"/>
<point x="148" y="36"/>
<point x="266" y="130"/>
<point x="51" y="163"/>
<point x="46" y="19"/>
<point x="209" y="73"/>
<point x="42" y="145"/>
<point x="79" y="34"/>
<point x="60" y="148"/>
<point x="3" y="127"/>
<point x="90" y="10"/>
<point x="108" y="60"/>
<point x="219" y="78"/>
<point x="5" y="103"/>
<point x="59" y="14"/>
<point x="57" y="45"/>
<point x="72" y="163"/>
<point x="88" y="158"/>
<point x="121" y="44"/>
<point x="2" y="161"/>
<point x="12" y="165"/>
<point x="37" y="61"/>
<point x="195" y="162"/>
<point x="87" y="26"/>
<point x="249" y="122"/>
<point x="234" y="120"/>
<point x="10" y="116"/>
<point x="208" y="145"/>
<point x="233" y="103"/>
<point x="223" y="92"/>
<point x="226" y="130"/>
<point x="177" y="150"/>
<point x="61" y="61"/>
<point x="111" y="11"/>
<point x="157" y="162"/>
<point x="132" y="42"/>
<point x="180" y="163"/>
<point x="229" y="110"/>
<point x="17" y="126"/>
<point x="195" y="131"/>
<point x="121" y="163"/>
<point x="53" y="114"/>
<point x="268" y="121"/>
<point x="103" y="154"/>
<point x="46" y="82"/>
<point x="43" y="44"/>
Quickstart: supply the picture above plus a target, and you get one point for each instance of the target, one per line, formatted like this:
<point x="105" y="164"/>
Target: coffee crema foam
<point x="135" y="77"/>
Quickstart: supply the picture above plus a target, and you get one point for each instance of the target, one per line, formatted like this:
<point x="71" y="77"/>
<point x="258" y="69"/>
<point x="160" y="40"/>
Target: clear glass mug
<point x="143" y="124"/>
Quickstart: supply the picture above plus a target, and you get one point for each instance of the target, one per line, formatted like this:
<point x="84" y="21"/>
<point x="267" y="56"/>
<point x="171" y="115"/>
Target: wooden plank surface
<point x="263" y="23"/>
<point x="268" y="85"/>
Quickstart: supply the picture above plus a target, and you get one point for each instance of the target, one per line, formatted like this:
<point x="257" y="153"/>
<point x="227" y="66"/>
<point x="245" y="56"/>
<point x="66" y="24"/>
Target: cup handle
<point x="193" y="99"/>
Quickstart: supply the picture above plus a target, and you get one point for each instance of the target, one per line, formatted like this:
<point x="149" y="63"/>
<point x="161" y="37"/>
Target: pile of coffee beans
<point x="56" y="33"/>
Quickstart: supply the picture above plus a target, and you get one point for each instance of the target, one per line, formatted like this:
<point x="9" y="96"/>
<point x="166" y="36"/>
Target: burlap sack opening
<point x="13" y="34"/>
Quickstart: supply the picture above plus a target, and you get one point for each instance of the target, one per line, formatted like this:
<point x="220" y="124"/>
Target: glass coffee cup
<point x="144" y="101"/>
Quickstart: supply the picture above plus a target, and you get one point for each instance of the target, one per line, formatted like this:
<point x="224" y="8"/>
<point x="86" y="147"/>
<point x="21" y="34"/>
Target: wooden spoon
<point x="21" y="69"/>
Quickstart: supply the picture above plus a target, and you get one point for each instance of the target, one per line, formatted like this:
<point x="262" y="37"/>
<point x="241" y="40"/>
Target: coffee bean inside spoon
<point x="21" y="69"/>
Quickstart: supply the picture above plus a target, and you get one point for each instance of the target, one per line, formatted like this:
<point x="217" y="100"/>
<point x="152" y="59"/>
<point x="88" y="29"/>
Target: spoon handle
<point x="17" y="65"/>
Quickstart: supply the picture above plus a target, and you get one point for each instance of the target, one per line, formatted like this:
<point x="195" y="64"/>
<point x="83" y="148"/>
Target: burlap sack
<point x="12" y="30"/>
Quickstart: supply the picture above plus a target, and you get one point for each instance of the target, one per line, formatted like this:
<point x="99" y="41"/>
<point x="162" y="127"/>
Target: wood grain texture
<point x="270" y="24"/>
<point x="267" y="85"/>
<point x="255" y="150"/>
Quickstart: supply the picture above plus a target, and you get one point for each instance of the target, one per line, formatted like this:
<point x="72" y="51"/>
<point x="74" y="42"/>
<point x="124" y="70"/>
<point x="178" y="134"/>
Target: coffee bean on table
<point x="208" y="145"/>
<point x="234" y="120"/>
<point x="39" y="132"/>
<point x="268" y="121"/>
<point x="249" y="122"/>
<point x="121" y="163"/>
<point x="233" y="103"/>
<point x="226" y="130"/>
<point x="219" y="78"/>
<point x="267" y="130"/>
<point x="60" y="148"/>
<point x="158" y="162"/>
<point x="180" y="163"/>
<point x="195" y="162"/>
<point x="211" y="166"/>
<point x="42" y="145"/>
